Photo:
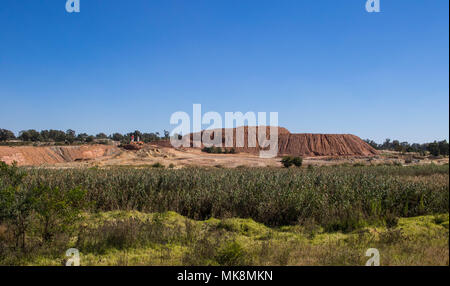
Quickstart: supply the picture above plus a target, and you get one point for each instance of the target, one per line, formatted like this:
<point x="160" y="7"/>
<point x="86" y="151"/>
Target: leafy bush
<point x="212" y="149"/>
<point x="157" y="165"/>
<point x="39" y="209"/>
<point x="288" y="161"/>
<point x="56" y="211"/>
<point x="297" y="161"/>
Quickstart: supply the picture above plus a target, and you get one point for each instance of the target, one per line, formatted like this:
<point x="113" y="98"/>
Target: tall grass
<point x="336" y="197"/>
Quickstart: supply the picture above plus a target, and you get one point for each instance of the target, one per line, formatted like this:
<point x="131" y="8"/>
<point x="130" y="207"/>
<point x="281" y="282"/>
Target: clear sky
<point x="327" y="66"/>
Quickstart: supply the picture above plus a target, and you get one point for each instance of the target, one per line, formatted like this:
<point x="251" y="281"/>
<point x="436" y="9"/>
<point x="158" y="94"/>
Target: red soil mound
<point x="324" y="145"/>
<point x="307" y="145"/>
<point x="32" y="156"/>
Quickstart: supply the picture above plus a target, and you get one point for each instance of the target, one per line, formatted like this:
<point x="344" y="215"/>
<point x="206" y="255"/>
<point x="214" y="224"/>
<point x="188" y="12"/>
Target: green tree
<point x="46" y="210"/>
<point x="433" y="148"/>
<point x="70" y="135"/>
<point x="372" y="143"/>
<point x="117" y="137"/>
<point x="396" y="145"/>
<point x="443" y="148"/>
<point x="387" y="145"/>
<point x="45" y="135"/>
<point x="29" y="135"/>
<point x="166" y="134"/>
<point x="6" y="135"/>
<point x="82" y="137"/>
<point x="57" y="135"/>
<point x="101" y="136"/>
<point x="56" y="211"/>
<point x="16" y="203"/>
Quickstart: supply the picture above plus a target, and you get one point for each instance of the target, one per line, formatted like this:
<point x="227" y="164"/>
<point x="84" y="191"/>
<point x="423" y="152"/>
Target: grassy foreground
<point x="135" y="238"/>
<point x="212" y="216"/>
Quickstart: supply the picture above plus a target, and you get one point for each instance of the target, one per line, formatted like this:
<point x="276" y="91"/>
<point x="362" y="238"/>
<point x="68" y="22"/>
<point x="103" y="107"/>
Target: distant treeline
<point x="435" y="148"/>
<point x="70" y="136"/>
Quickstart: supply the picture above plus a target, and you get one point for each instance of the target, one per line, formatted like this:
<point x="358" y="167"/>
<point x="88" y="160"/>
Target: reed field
<point x="216" y="216"/>
<point x="273" y="196"/>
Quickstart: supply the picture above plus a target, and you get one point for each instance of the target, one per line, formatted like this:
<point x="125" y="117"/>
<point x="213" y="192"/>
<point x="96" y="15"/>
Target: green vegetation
<point x="435" y="148"/>
<point x="271" y="196"/>
<point x="219" y="216"/>
<point x="218" y="150"/>
<point x="41" y="211"/>
<point x="158" y="165"/>
<point x="288" y="161"/>
<point x="6" y="135"/>
<point x="135" y="238"/>
<point x="70" y="137"/>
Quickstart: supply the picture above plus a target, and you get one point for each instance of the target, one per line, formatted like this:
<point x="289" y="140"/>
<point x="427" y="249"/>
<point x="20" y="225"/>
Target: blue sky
<point x="327" y="66"/>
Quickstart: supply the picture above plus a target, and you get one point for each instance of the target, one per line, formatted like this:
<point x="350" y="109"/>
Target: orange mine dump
<point x="324" y="145"/>
<point x="300" y="144"/>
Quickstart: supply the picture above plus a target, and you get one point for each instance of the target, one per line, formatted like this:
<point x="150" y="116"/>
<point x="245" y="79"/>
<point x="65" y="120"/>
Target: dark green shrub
<point x="157" y="165"/>
<point x="297" y="161"/>
<point x="206" y="149"/>
<point x="286" y="161"/>
<point x="218" y="150"/>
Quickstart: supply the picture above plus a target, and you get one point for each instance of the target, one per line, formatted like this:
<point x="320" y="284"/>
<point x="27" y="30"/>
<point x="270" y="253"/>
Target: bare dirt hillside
<point x="34" y="156"/>
<point x="324" y="145"/>
<point x="302" y="144"/>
